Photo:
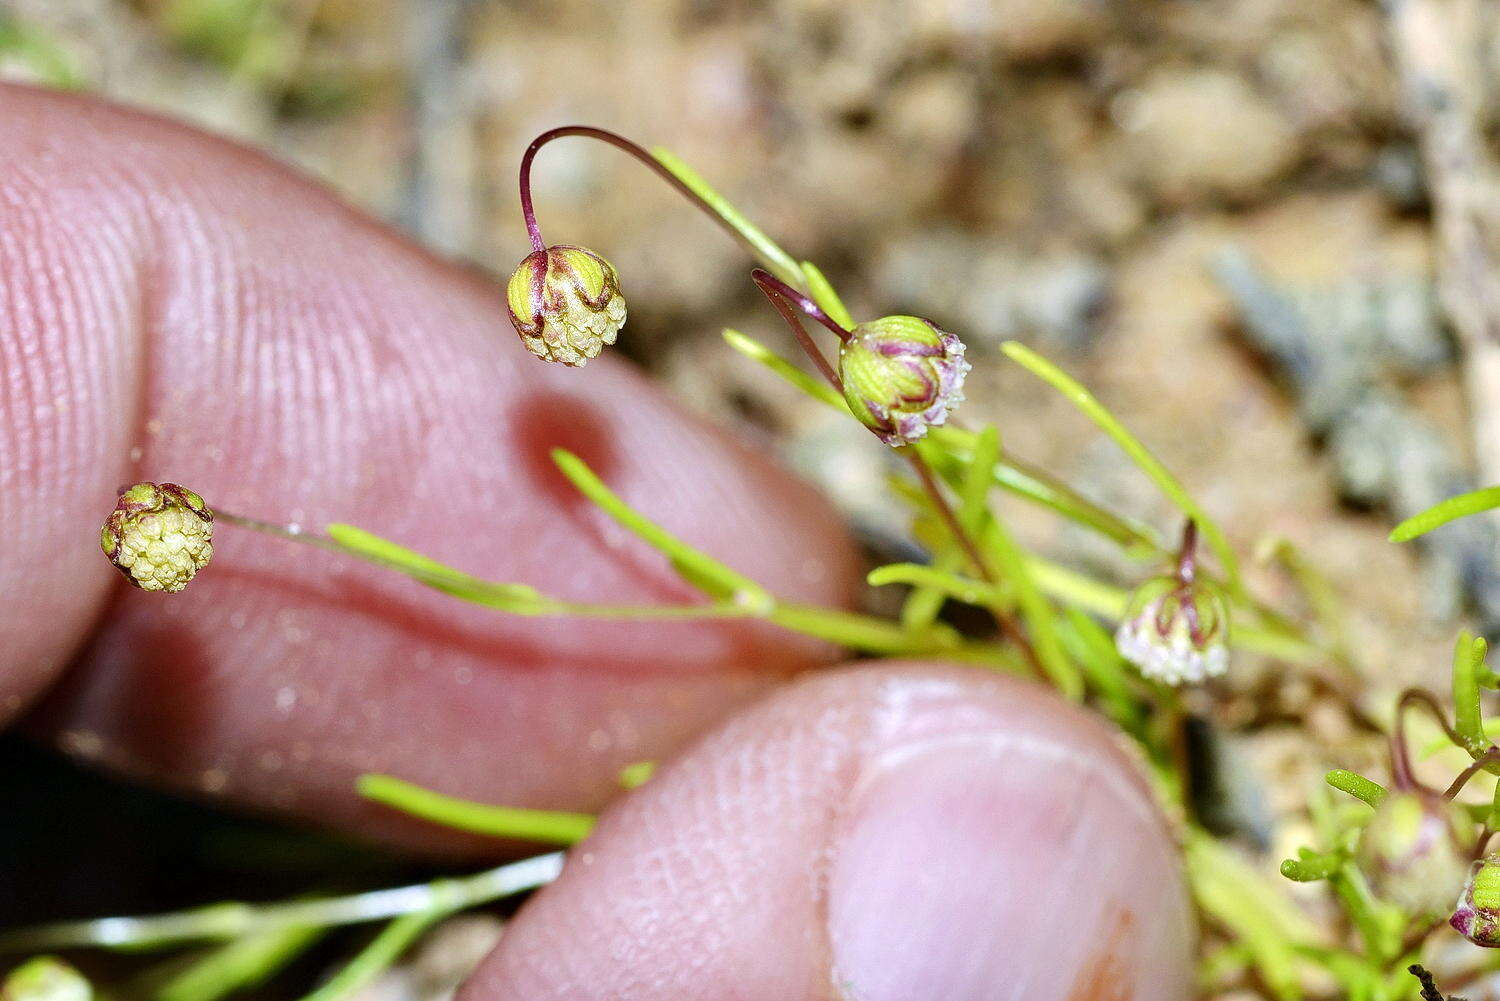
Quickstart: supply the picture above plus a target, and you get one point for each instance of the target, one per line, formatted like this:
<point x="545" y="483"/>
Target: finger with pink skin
<point x="173" y="307"/>
<point x="872" y="834"/>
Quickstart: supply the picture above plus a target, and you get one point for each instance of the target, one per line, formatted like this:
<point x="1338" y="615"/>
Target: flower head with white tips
<point x="1176" y="628"/>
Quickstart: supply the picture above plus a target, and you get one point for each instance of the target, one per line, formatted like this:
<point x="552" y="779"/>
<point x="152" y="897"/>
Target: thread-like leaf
<point x="1474" y="502"/>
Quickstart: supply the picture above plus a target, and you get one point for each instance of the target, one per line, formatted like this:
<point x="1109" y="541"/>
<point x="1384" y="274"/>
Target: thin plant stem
<point x="1426" y="700"/>
<point x="1486" y="759"/>
<point x="769" y="284"/>
<point x="1086" y="402"/>
<point x="1187" y="556"/>
<point x="383" y="950"/>
<point x="239" y="964"/>
<point x="735" y="596"/>
<point x="1007" y="622"/>
<point x="1401" y="772"/>
<point x="945" y="511"/>
<point x="291" y="532"/>
<point x="783" y="297"/>
<point x="772" y="290"/>
<point x="1402" y="776"/>
<point x="528" y="210"/>
<point x="222" y="922"/>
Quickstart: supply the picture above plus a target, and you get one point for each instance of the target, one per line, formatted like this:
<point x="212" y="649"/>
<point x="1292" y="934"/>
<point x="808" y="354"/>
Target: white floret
<point x="1173" y="659"/>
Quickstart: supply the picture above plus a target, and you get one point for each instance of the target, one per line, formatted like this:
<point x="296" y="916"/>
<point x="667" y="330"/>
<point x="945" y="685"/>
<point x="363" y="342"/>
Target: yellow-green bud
<point x="1477" y="916"/>
<point x="159" y="536"/>
<point x="902" y="375"/>
<point x="1176" y="631"/>
<point x="45" y="979"/>
<point x="1414" y="851"/>
<point x="565" y="302"/>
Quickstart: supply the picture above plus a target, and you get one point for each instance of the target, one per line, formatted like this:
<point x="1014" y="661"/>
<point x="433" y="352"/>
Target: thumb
<point x="872" y="835"/>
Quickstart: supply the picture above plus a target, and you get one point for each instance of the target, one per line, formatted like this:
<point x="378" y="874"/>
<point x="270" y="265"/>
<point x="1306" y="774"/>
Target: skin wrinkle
<point x="303" y="360"/>
<point x="518" y="708"/>
<point x="54" y="374"/>
<point x="754" y="818"/>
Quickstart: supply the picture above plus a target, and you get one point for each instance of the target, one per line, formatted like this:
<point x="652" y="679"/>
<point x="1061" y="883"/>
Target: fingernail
<point x="1004" y="866"/>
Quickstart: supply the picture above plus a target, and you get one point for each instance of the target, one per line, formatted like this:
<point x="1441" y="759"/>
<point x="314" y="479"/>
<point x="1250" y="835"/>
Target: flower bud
<point x="902" y="375"/>
<point x="1477" y="916"/>
<point x="45" y="979"/>
<point x="1414" y="851"/>
<point x="159" y="536"/>
<point x="1176" y="631"/>
<point x="565" y="302"/>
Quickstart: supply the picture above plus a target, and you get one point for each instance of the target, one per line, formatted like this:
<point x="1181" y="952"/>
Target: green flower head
<point x="1477" y="916"/>
<point x="159" y="536"/>
<point x="565" y="302"/>
<point x="1414" y="851"/>
<point x="45" y="979"/>
<point x="902" y="375"/>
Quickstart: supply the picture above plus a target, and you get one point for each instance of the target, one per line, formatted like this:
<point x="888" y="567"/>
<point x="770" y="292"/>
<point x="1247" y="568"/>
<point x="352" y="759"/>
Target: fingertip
<point x="870" y="834"/>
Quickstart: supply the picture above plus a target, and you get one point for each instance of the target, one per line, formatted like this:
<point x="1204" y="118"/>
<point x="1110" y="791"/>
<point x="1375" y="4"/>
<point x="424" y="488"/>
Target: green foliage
<point x="547" y="826"/>
<point x="38" y="51"/>
<point x="773" y="258"/>
<point x="1451" y="509"/>
<point x="45" y="978"/>
<point x="241" y="964"/>
<point x="1056" y="622"/>
<point x="1356" y="785"/>
<point x="1095" y="411"/>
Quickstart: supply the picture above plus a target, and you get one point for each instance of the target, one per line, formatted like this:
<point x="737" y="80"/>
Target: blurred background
<point x="1215" y="211"/>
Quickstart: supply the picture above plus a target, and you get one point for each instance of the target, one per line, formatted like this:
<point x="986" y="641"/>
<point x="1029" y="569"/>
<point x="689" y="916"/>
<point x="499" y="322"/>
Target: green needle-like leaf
<point x="696" y="566"/>
<point x="517" y="598"/>
<point x="827" y="299"/>
<point x="809" y="384"/>
<point x="777" y="261"/>
<point x="240" y="964"/>
<point x="1311" y="866"/>
<point x="1356" y="785"/>
<point x="1468" y="662"/>
<point x="1085" y="401"/>
<point x="548" y="826"/>
<point x="1237" y="897"/>
<point x="377" y="957"/>
<point x="637" y="774"/>
<point x="1451" y="509"/>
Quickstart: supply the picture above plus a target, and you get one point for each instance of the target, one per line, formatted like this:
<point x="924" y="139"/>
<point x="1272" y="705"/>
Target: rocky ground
<point x="1214" y="211"/>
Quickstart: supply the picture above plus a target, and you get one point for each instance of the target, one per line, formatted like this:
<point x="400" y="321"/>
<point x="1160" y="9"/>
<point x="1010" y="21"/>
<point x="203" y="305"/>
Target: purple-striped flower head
<point x="902" y="375"/>
<point x="1477" y="916"/>
<point x="565" y="302"/>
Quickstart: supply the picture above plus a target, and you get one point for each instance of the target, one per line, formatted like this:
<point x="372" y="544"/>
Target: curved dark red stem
<point x="1402" y="775"/>
<point x="784" y="298"/>
<point x="528" y="212"/>
<point x="769" y="284"/>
